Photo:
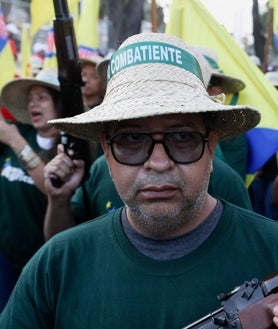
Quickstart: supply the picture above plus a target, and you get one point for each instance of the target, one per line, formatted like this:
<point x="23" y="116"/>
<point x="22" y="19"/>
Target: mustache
<point x="158" y="179"/>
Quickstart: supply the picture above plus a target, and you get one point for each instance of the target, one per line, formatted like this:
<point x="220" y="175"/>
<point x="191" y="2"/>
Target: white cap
<point x="12" y="28"/>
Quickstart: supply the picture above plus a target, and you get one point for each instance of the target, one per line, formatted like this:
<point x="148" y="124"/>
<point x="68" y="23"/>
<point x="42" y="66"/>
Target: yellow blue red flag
<point x="192" y="22"/>
<point x="26" y="43"/>
<point x="42" y="13"/>
<point x="87" y="32"/>
<point x="50" y="59"/>
<point x="7" y="61"/>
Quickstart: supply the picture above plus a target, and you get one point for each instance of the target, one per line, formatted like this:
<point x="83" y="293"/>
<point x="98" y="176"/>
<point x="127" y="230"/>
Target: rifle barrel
<point x="61" y="9"/>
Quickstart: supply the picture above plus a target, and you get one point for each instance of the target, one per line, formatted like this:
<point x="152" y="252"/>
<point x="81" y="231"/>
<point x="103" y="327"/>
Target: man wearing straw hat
<point x="161" y="259"/>
<point x="72" y="204"/>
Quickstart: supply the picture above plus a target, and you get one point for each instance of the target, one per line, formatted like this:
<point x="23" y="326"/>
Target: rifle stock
<point x="69" y="75"/>
<point x="246" y="307"/>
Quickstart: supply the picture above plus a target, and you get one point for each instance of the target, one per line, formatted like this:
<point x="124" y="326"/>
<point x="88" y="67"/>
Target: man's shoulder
<point x="220" y="167"/>
<point x="94" y="227"/>
<point x="99" y="165"/>
<point x="248" y="217"/>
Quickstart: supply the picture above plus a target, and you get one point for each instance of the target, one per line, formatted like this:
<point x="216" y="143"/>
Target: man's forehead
<point x="162" y="121"/>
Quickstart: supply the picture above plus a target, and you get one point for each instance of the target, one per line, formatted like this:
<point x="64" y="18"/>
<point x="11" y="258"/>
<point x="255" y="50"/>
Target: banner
<point x="193" y="23"/>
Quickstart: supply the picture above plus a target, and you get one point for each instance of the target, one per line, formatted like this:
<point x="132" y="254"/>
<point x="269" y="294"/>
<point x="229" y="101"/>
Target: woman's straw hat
<point x="154" y="74"/>
<point x="15" y="93"/>
<point x="229" y="84"/>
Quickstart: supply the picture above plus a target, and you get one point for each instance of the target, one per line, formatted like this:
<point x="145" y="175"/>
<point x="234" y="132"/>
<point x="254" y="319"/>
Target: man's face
<point x="93" y="85"/>
<point x="162" y="196"/>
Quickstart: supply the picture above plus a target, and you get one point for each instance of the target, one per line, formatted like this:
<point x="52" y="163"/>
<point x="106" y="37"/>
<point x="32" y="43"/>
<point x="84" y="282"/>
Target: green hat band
<point x="213" y="63"/>
<point x="152" y="52"/>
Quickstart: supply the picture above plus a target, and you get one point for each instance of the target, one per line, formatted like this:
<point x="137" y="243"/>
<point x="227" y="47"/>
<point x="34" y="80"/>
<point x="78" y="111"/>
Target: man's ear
<point x="104" y="145"/>
<point x="213" y="141"/>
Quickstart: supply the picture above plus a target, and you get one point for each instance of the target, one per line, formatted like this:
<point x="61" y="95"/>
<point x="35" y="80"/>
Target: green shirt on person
<point x="91" y="276"/>
<point x="22" y="205"/>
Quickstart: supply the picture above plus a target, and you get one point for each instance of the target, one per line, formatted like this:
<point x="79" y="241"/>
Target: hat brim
<point x="229" y="121"/>
<point x="14" y="96"/>
<point x="230" y="85"/>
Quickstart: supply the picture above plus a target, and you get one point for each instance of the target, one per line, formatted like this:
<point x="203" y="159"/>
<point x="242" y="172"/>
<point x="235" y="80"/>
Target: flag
<point x="7" y="61"/>
<point x="26" y="42"/>
<point x="273" y="4"/>
<point x="87" y="32"/>
<point x="50" y="59"/>
<point x="193" y="23"/>
<point x="42" y="13"/>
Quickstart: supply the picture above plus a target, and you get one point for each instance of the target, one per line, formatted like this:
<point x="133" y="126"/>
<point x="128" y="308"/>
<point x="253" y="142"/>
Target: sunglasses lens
<point x="135" y="148"/>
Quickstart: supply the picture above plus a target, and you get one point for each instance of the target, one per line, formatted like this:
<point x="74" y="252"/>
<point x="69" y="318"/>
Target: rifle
<point x="69" y="75"/>
<point x="248" y="306"/>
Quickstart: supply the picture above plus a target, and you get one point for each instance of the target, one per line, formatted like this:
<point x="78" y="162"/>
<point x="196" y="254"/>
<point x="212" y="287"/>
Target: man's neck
<point x="173" y="248"/>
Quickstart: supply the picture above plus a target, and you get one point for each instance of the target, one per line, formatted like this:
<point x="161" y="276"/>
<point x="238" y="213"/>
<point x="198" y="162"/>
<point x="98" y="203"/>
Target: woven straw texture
<point x="157" y="89"/>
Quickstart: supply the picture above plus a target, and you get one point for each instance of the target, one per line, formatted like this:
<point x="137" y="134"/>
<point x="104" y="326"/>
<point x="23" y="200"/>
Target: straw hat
<point x="14" y="93"/>
<point x="93" y="59"/>
<point x="12" y="28"/>
<point x="153" y="74"/>
<point x="272" y="77"/>
<point x="229" y="84"/>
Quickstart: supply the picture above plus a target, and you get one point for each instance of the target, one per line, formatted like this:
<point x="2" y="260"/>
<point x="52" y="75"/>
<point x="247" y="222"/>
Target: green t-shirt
<point x="22" y="205"/>
<point x="99" y="196"/>
<point x="235" y="151"/>
<point x="91" y="276"/>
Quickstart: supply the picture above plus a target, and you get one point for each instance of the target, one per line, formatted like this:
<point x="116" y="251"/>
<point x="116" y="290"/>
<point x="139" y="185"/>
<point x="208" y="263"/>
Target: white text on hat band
<point x="152" y="52"/>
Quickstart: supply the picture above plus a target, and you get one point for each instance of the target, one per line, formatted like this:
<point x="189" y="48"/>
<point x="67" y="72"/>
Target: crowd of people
<point x="165" y="211"/>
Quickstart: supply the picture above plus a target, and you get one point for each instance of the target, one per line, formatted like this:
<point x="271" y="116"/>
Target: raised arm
<point x="59" y="215"/>
<point x="32" y="163"/>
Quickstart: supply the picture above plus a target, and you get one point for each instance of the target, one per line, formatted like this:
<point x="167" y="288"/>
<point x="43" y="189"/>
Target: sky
<point x="235" y="15"/>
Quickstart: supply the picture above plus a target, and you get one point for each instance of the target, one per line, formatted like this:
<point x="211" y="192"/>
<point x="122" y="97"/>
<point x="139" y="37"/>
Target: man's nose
<point x="159" y="159"/>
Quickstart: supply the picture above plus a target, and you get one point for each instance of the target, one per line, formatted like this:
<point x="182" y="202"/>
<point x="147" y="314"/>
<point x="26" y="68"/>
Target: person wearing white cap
<point x="272" y="77"/>
<point x="26" y="145"/>
<point x="161" y="259"/>
<point x="234" y="151"/>
<point x="93" y="90"/>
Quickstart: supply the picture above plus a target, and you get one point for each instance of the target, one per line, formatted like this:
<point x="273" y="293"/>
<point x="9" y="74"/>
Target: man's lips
<point x="158" y="192"/>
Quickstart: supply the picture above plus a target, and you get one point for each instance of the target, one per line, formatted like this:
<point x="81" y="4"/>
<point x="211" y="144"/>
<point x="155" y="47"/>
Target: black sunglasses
<point x="134" y="148"/>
